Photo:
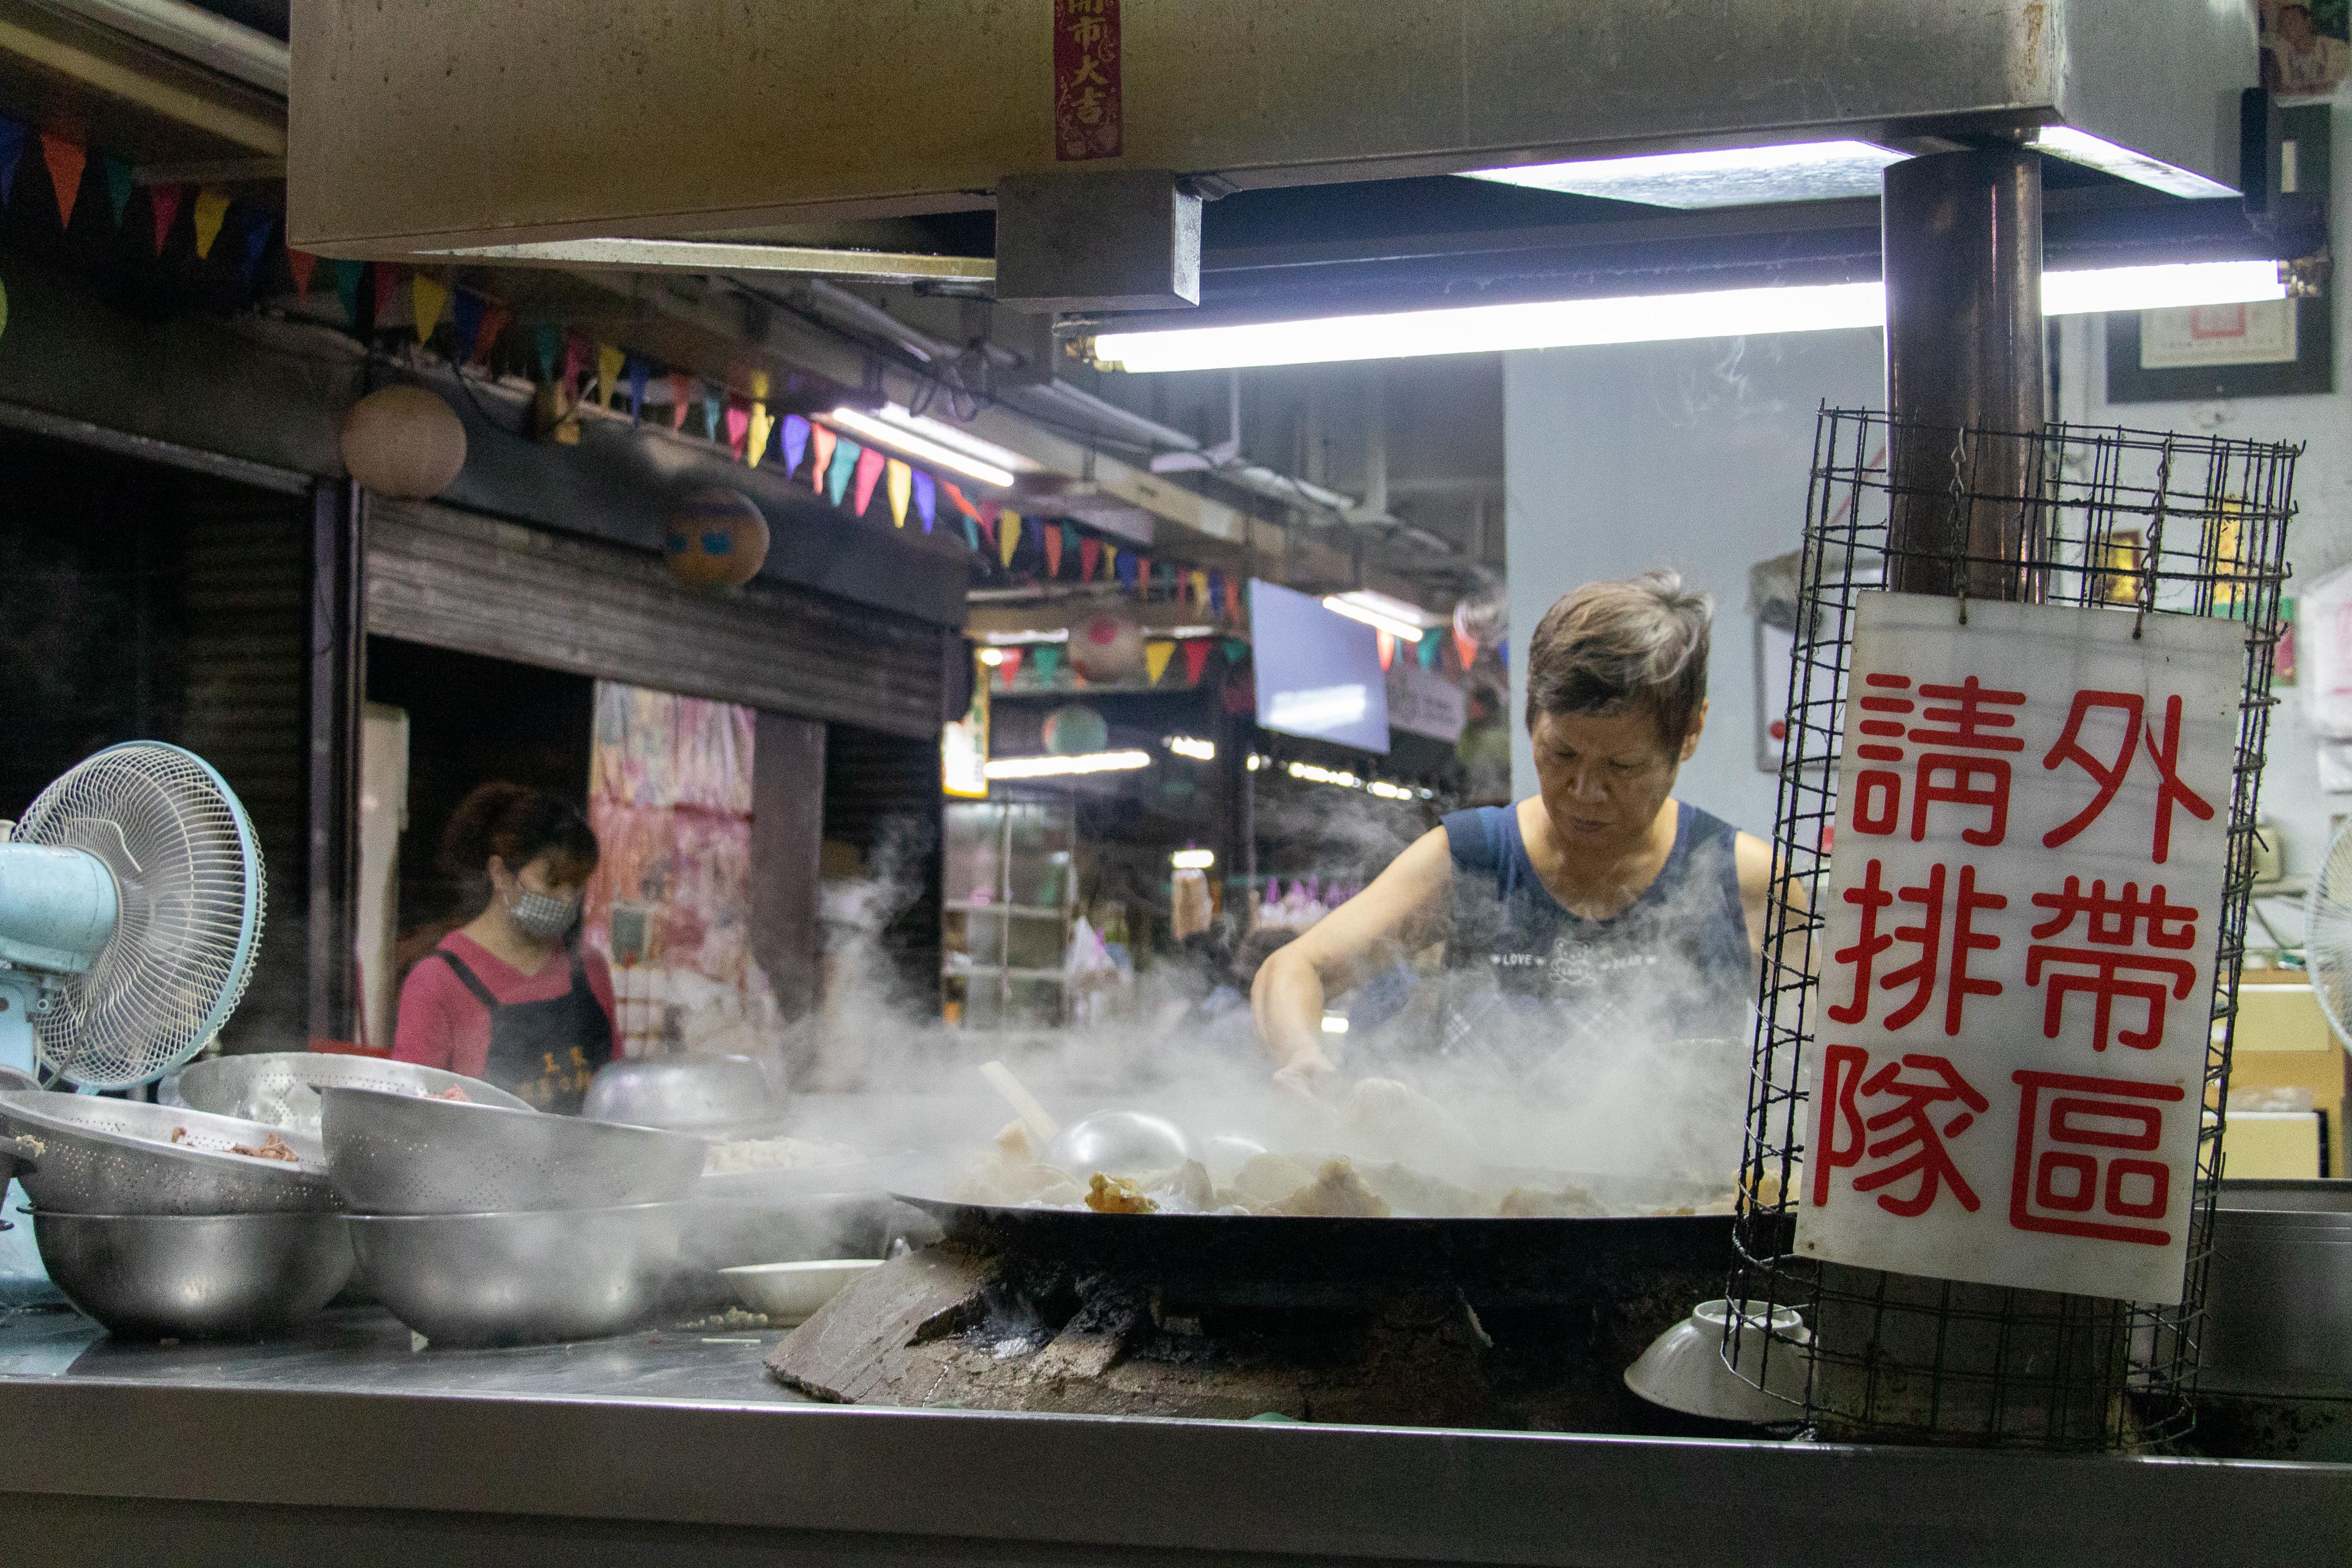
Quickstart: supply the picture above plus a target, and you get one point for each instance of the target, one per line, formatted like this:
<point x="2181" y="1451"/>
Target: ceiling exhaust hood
<point x="421" y="130"/>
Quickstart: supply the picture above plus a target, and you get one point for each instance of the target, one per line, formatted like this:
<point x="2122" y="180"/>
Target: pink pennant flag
<point x="1012" y="665"/>
<point x="165" y="201"/>
<point x="301" y="264"/>
<point x="869" y="471"/>
<point x="1052" y="538"/>
<point x="738" y="427"/>
<point x="1089" y="557"/>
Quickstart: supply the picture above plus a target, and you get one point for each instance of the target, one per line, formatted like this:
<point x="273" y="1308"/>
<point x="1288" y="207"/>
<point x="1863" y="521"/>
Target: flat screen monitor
<point x="1318" y="674"/>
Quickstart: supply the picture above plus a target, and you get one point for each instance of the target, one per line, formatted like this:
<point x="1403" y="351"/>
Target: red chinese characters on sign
<point x="2112" y="967"/>
<point x="2087" y="1160"/>
<point x="1089" y="121"/>
<point x="1927" y="1101"/>
<point x="1934" y="952"/>
<point x="1962" y="762"/>
<point x="2108" y="773"/>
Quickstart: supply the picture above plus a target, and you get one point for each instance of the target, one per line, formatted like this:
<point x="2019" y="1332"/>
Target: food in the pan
<point x="775" y="1154"/>
<point x="454" y="1091"/>
<point x="1336" y="1193"/>
<point x="1116" y="1195"/>
<point x="272" y="1147"/>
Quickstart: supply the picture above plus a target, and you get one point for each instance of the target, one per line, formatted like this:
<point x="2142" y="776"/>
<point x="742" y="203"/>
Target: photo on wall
<point x="2305" y="45"/>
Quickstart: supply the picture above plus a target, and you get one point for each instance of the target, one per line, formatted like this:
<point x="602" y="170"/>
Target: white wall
<point x="1692" y="455"/>
<point x="2318" y="541"/>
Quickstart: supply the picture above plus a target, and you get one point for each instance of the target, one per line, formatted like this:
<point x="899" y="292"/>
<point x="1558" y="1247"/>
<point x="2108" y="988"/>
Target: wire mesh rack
<point x="2142" y="523"/>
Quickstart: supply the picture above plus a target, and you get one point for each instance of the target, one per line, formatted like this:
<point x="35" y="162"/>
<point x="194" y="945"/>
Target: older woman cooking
<point x="1598" y="914"/>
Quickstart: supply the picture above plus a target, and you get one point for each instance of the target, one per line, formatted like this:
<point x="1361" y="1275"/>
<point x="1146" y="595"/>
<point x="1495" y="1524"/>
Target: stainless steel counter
<point x="673" y="1445"/>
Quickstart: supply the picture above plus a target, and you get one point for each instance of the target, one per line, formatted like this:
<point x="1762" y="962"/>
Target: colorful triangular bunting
<point x="212" y="207"/>
<point x="871" y="463"/>
<point x="896" y="480"/>
<point x="1156" y="655"/>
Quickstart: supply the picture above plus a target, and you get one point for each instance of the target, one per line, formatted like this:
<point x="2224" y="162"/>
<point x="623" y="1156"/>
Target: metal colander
<point x="118" y="1157"/>
<point x="189" y="885"/>
<point x="281" y="1087"/>
<point x="397" y="1154"/>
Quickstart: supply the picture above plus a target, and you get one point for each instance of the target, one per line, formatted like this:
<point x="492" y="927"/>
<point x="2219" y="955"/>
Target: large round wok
<point x="1539" y="1254"/>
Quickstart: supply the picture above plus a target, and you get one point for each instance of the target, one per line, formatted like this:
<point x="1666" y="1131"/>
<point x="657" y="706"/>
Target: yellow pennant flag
<point x="759" y="387"/>
<point x="1110" y="561"/>
<point x="1156" y="656"/>
<point x="755" y="445"/>
<point x="1008" y="536"/>
<point x="1201" y="588"/>
<point x="431" y="296"/>
<point x="212" y="207"/>
<point x="609" y="360"/>
<point x="898" y="479"/>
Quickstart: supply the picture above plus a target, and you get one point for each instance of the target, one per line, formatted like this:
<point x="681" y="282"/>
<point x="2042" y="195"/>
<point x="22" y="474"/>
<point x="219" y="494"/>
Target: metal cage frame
<point x="2142" y="522"/>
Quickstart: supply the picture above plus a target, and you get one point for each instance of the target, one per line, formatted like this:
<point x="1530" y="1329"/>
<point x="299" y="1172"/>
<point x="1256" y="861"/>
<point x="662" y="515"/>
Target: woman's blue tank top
<point x="1529" y="979"/>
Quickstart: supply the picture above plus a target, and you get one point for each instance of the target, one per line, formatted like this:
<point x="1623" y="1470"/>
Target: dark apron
<point x="544" y="1051"/>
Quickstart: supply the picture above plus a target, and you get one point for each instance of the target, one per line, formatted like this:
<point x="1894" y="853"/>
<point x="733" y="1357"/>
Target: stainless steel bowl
<point x="520" y="1278"/>
<point x="705" y="1094"/>
<point x="281" y="1087"/>
<point x="118" y="1156"/>
<point x="230" y="1276"/>
<point x="396" y="1154"/>
<point x="1119" y="1143"/>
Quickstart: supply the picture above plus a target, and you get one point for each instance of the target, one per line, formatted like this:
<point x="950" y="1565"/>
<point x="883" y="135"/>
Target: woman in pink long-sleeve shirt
<point x="509" y="996"/>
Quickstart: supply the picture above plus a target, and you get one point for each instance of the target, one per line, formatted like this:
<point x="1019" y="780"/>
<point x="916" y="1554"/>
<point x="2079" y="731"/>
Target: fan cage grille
<point x="190" y="889"/>
<point x="2138" y="521"/>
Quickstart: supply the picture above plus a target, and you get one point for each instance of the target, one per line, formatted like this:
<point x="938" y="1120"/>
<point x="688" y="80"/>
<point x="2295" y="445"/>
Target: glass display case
<point x="1011" y="896"/>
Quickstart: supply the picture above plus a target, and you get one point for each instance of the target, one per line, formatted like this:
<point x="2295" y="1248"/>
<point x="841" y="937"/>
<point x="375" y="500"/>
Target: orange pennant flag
<point x="212" y="207"/>
<point x="820" y="442"/>
<point x="65" y="159"/>
<point x="1156" y="656"/>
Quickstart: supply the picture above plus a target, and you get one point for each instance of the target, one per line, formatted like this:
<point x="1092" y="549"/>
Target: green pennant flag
<point x="546" y="344"/>
<point x="1048" y="659"/>
<point x="1429" y="650"/>
<point x="844" y="464"/>
<point x="1236" y="650"/>
<point x="349" y="276"/>
<point x="118" y="187"/>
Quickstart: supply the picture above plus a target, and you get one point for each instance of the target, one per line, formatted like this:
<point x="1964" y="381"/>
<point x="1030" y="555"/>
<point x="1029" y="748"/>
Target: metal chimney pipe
<point x="1961" y="235"/>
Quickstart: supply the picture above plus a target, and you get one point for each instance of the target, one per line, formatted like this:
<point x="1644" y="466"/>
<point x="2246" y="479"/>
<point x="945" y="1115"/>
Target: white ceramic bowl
<point x="1682" y="1368"/>
<point x="792" y="1292"/>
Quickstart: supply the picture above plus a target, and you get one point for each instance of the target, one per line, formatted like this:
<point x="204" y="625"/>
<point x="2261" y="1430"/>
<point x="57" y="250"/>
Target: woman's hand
<point x="1306" y="1074"/>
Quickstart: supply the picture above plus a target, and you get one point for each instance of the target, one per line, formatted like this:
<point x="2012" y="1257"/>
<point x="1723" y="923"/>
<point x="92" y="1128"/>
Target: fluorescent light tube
<point x="1191" y="746"/>
<point x="1193" y="860"/>
<point x="1360" y="606"/>
<point x="1722" y="177"/>
<point x="928" y="448"/>
<point x="717" y="256"/>
<point x="2081" y="147"/>
<point x="1052" y="767"/>
<point x="1644" y="318"/>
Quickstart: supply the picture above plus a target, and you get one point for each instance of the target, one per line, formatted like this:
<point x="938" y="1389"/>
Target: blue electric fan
<point x="131" y="906"/>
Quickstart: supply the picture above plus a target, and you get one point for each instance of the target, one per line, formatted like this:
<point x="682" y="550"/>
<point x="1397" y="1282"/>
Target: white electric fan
<point x="130" y="905"/>
<point x="2327" y="933"/>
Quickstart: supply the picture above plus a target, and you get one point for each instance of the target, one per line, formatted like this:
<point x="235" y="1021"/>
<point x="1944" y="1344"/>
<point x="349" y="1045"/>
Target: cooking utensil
<point x="396" y="1154"/>
<point x="229" y="1276"/>
<point x="2278" y="1293"/>
<point x="281" y="1087"/>
<point x="712" y="1095"/>
<point x="520" y="1278"/>
<point x="118" y="1156"/>
<point x="1119" y="1143"/>
<point x="792" y="1292"/>
<point x="1683" y="1367"/>
<point x="1042" y="1128"/>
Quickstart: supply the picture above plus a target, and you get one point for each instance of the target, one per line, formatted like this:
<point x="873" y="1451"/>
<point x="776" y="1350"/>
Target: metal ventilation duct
<point x="420" y="127"/>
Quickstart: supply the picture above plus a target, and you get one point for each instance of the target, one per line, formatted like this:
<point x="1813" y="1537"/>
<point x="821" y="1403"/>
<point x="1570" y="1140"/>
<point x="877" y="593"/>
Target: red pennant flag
<point x="301" y="264"/>
<point x="1089" y="557"/>
<point x="1143" y="577"/>
<point x="575" y="363"/>
<point x="494" y="321"/>
<point x="1196" y="658"/>
<point x="960" y="502"/>
<point x="681" y="395"/>
<point x="389" y="277"/>
<point x="65" y="159"/>
<point x="1386" y="642"/>
<point x="1053" y="551"/>
<point x="1011" y="666"/>
<point x="1465" y="648"/>
<point x="165" y="201"/>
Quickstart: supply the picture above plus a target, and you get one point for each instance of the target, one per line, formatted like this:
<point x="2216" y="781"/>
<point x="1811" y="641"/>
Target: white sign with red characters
<point x="2016" y="991"/>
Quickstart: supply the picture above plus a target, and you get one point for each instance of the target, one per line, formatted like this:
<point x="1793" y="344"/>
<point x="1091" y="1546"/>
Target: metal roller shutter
<point x="456" y="580"/>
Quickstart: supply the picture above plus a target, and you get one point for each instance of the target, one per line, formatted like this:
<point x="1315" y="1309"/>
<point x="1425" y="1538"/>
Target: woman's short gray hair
<point x="1606" y="647"/>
